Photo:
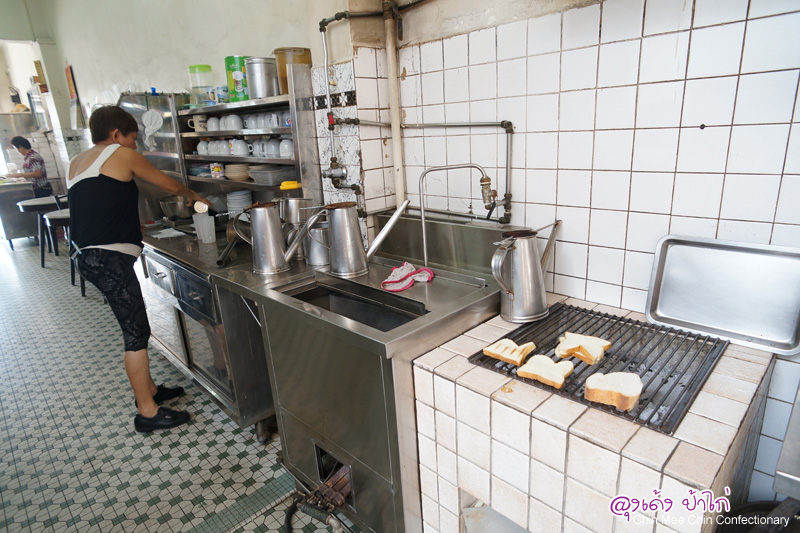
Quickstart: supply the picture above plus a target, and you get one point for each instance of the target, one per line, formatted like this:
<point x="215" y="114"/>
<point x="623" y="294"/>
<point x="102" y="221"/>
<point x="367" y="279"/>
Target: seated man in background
<point x="32" y="168"/>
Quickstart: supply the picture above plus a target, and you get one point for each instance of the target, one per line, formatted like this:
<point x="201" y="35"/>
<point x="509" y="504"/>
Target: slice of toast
<point x="588" y="349"/>
<point x="545" y="370"/>
<point x="620" y="389"/>
<point x="508" y="351"/>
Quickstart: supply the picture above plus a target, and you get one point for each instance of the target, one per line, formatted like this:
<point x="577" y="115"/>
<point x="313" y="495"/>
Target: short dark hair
<point x="20" y="142"/>
<point x="106" y="119"/>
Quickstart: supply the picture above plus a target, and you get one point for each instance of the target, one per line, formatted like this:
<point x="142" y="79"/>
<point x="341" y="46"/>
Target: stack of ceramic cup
<point x="237" y="201"/>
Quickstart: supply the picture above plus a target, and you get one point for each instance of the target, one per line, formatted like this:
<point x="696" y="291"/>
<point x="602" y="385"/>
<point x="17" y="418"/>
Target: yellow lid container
<point x="284" y="56"/>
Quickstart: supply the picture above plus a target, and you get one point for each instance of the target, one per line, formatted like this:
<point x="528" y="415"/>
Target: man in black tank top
<point x="105" y="228"/>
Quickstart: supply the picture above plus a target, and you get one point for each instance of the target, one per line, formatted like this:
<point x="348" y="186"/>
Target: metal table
<point x="40" y="206"/>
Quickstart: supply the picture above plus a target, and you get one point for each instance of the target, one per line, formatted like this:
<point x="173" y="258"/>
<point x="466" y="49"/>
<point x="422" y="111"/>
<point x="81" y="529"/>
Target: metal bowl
<point x="175" y="207"/>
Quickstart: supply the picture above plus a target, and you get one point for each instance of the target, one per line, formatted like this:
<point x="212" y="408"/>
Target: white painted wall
<point x="149" y="43"/>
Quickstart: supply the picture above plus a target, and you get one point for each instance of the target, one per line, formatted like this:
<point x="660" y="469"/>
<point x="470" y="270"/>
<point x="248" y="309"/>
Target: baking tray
<point x="746" y="293"/>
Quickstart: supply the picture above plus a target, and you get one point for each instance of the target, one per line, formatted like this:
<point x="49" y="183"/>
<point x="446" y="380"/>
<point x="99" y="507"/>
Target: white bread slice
<point x="508" y="351"/>
<point x="620" y="389"/>
<point x="543" y="369"/>
<point x="588" y="349"/>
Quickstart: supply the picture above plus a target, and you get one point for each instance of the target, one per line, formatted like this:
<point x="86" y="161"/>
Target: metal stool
<point x="60" y="219"/>
<point x="40" y="206"/>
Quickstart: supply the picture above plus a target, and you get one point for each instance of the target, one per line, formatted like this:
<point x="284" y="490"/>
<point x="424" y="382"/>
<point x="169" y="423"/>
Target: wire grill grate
<point x="672" y="364"/>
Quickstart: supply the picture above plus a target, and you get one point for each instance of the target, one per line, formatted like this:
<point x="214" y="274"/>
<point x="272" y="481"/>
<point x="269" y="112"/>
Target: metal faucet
<point x="486" y="192"/>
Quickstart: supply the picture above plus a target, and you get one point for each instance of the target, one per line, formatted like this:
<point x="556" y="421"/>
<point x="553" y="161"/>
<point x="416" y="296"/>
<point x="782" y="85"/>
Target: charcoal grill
<point x="672" y="363"/>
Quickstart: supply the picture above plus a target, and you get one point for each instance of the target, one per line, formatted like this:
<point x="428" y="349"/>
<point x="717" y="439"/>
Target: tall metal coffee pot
<point x="518" y="269"/>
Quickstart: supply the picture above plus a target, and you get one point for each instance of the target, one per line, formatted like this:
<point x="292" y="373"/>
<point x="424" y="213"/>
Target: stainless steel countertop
<point x="787" y="475"/>
<point x="447" y="297"/>
<point x="236" y="275"/>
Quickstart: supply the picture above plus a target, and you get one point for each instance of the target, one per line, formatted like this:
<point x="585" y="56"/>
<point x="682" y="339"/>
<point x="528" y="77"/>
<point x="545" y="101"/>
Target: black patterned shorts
<point x="112" y="273"/>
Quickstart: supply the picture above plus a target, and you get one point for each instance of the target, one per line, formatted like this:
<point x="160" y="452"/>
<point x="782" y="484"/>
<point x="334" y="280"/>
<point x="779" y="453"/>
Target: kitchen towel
<point x="404" y="276"/>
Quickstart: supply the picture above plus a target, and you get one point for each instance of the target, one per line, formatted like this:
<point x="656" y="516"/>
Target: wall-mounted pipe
<point x="506" y="125"/>
<point x="394" y="101"/>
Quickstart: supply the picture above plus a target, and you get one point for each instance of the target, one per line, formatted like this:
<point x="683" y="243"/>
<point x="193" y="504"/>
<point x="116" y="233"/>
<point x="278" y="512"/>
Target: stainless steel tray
<point x="747" y="293"/>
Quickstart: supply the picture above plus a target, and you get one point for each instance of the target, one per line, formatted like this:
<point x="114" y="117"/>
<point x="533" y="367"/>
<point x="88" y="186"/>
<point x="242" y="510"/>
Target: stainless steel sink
<point x="339" y="355"/>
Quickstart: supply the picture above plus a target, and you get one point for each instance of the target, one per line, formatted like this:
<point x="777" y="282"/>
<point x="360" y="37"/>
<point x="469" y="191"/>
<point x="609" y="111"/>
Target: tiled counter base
<point x="552" y="464"/>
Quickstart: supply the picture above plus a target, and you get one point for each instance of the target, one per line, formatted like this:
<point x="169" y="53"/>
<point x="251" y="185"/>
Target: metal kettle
<point x="518" y="269"/>
<point x="270" y="255"/>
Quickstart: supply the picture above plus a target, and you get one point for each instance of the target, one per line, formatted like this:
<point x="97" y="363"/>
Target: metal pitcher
<point x="517" y="267"/>
<point x="269" y="249"/>
<point x="347" y="256"/>
<point x="316" y="245"/>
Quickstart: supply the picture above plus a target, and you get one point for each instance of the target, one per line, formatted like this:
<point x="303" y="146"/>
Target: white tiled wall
<point x="781" y="396"/>
<point x="670" y="117"/>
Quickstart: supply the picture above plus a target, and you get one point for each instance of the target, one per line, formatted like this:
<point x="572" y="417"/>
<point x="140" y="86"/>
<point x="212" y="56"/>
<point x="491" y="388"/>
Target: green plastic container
<point x="236" y="74"/>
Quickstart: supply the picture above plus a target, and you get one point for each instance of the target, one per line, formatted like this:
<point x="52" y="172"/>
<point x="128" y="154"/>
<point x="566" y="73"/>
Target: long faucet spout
<point x="484" y="178"/>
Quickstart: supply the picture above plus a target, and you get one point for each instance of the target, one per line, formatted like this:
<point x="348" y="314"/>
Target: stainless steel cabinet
<point x="210" y="334"/>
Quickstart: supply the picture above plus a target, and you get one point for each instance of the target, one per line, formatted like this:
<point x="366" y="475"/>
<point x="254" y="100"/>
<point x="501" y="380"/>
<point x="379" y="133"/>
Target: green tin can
<point x="236" y="74"/>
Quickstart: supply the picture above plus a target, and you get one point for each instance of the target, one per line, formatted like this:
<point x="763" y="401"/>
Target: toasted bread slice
<point x="508" y="351"/>
<point x="545" y="370"/>
<point x="620" y="389"/>
<point x="588" y="349"/>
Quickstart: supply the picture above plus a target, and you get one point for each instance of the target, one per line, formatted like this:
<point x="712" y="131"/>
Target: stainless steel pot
<point x="262" y="77"/>
<point x="176" y="207"/>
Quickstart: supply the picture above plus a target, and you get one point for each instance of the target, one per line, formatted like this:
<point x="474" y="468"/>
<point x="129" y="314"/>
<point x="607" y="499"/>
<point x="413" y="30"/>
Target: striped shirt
<point x="33" y="162"/>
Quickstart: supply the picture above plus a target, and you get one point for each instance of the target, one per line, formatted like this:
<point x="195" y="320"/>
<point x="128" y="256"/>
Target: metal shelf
<point x="239" y="159"/>
<point x="249" y="184"/>
<point x="271" y="101"/>
<point x="228" y="133"/>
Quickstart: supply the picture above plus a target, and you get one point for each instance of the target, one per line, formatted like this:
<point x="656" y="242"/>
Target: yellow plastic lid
<point x="289" y="185"/>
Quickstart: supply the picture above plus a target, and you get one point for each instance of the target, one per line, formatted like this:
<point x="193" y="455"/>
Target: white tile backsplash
<point x="645" y="124"/>
<point x="579" y="68"/>
<point x="622" y="19"/>
<point x="655" y="150"/>
<point x="659" y="105"/>
<point x="708" y="12"/>
<point x="772" y="43"/>
<point x="750" y="197"/>
<point x="703" y="150"/>
<point x="482" y="46"/>
<point x="709" y="101"/>
<point x="698" y="195"/>
<point x="512" y="40"/>
<point x="509" y="465"/>
<point x="544" y="34"/>
<point x="716" y="51"/>
<point x="663" y="16"/>
<point x="618" y="64"/>
<point x="664" y="57"/>
<point x="608" y="228"/>
<point x="581" y="27"/>
<point x="651" y="192"/>
<point x="766" y="98"/>
<point x="616" y="108"/>
<point x="644" y="231"/>
<point x="758" y="149"/>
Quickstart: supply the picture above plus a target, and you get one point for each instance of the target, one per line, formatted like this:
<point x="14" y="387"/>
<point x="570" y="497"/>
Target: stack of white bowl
<point x="237" y="172"/>
<point x="237" y="201"/>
